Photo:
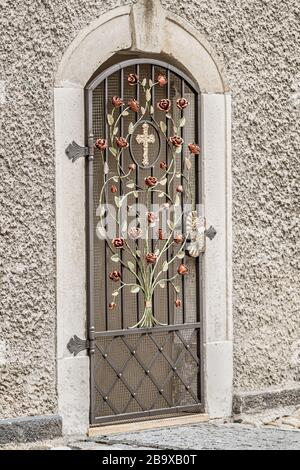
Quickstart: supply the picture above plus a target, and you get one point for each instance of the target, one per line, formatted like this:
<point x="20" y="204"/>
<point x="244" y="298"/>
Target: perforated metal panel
<point x="142" y="372"/>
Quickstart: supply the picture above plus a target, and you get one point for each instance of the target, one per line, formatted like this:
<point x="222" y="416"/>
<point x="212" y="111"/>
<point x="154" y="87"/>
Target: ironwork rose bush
<point x="147" y="267"/>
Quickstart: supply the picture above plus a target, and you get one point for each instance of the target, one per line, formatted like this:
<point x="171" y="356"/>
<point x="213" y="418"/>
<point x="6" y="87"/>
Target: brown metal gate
<point x="141" y="372"/>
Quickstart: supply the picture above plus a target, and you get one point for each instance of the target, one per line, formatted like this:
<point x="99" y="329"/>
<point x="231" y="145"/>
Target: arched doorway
<point x="166" y="37"/>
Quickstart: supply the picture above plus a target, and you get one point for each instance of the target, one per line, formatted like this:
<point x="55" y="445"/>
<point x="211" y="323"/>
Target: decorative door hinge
<point x="76" y="345"/>
<point x="75" y="151"/>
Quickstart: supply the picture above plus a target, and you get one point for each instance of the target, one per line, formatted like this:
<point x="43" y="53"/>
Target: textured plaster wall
<point x="258" y="42"/>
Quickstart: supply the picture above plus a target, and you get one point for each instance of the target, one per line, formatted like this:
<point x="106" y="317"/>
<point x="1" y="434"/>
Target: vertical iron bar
<point x="182" y="204"/>
<point x="106" y="200"/>
<point x="152" y="174"/>
<point x="90" y="244"/>
<point x="137" y="182"/>
<point x="167" y="162"/>
<point x="121" y="189"/>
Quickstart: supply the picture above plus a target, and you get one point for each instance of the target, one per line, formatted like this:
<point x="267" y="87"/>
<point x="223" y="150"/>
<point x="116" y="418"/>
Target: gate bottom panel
<point x="145" y="372"/>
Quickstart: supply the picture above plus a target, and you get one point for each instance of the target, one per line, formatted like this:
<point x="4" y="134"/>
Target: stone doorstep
<point x="30" y="429"/>
<point x="147" y="425"/>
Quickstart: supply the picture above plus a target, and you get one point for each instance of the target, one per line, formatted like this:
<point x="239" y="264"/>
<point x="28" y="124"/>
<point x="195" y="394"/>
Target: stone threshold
<point x="30" y="429"/>
<point x="147" y="425"/>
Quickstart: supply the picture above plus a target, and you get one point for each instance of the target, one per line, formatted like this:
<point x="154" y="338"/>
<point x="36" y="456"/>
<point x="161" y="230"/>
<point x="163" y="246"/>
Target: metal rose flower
<point x="133" y="79"/>
<point x="122" y="143"/>
<point x="151" y="181"/>
<point x="178" y="303"/>
<point x="182" y="103"/>
<point x="161" y="234"/>
<point x="117" y="102"/>
<point x="114" y="189"/>
<point x="182" y="270"/>
<point x="151" y="217"/>
<point x="194" y="148"/>
<point x="163" y="165"/>
<point x="179" y="238"/>
<point x="177" y="141"/>
<point x="151" y="258"/>
<point x="135" y="233"/>
<point x="179" y="188"/>
<point x="134" y="105"/>
<point x="115" y="276"/>
<point x="118" y="242"/>
<point x="112" y="306"/>
<point x="132" y="167"/>
<point x="164" y="105"/>
<point x="162" y="80"/>
<point x="101" y="144"/>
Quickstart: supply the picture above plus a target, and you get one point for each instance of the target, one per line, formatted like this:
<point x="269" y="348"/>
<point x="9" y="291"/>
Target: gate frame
<point x="140" y="30"/>
<point x="92" y="333"/>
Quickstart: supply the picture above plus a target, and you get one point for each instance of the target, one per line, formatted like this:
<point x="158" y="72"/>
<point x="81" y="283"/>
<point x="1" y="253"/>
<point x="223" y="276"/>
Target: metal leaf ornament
<point x="195" y="226"/>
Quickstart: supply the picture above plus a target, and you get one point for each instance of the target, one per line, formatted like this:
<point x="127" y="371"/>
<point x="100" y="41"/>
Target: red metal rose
<point x="112" y="306"/>
<point x="101" y="144"/>
<point x="118" y="242"/>
<point x="162" y="80"/>
<point x="134" y="105"/>
<point x="179" y="188"/>
<point x="117" y="102"/>
<point x="182" y="103"/>
<point x="151" y="217"/>
<point x="178" y="303"/>
<point x="115" y="276"/>
<point x="135" y="233"/>
<point x="151" y="258"/>
<point x="182" y="270"/>
<point x="133" y="79"/>
<point x="177" y="141"/>
<point x="132" y="167"/>
<point x="122" y="143"/>
<point x="163" y="165"/>
<point x="114" y="189"/>
<point x="179" y="238"/>
<point x="151" y="181"/>
<point x="161" y="234"/>
<point x="194" y="148"/>
<point x="164" y="105"/>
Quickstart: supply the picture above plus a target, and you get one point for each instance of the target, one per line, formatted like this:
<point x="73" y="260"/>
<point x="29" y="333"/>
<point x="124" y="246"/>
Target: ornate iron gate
<point x="143" y="371"/>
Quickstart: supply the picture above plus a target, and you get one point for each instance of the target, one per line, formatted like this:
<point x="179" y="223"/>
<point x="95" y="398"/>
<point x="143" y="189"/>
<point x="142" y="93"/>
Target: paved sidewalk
<point x="211" y="437"/>
<point x="204" y="436"/>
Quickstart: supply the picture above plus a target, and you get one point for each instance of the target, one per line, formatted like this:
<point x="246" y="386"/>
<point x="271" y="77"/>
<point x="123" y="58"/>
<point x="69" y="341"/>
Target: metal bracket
<point x="75" y="151"/>
<point x="211" y="232"/>
<point x="76" y="345"/>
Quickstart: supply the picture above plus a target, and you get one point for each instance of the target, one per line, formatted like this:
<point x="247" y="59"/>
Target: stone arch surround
<point x="144" y="28"/>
